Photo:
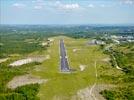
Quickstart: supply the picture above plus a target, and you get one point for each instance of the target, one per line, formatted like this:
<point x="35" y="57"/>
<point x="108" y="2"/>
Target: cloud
<point x="19" y="5"/>
<point x="40" y="4"/>
<point x="128" y="2"/>
<point x="63" y="6"/>
<point x="91" y="6"/>
<point x="70" y="6"/>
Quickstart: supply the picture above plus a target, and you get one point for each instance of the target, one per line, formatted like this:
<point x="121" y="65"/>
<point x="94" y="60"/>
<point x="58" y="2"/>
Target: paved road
<point x="63" y="58"/>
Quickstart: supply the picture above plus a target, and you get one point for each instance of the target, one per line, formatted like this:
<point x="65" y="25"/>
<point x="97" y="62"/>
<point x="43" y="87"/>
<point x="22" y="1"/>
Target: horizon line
<point x="128" y="24"/>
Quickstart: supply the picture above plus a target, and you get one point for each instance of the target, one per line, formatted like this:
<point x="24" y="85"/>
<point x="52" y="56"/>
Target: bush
<point x="29" y="91"/>
<point x="121" y="93"/>
<point x="109" y="95"/>
<point x="12" y="96"/>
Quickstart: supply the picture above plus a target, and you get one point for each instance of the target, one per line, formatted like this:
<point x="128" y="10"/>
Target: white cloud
<point x="128" y="2"/>
<point x="19" y="5"/>
<point x="70" y="6"/>
<point x="63" y="6"/>
<point x="91" y="6"/>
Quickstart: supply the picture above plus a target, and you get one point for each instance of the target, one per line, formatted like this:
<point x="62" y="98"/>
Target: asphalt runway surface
<point x="63" y="58"/>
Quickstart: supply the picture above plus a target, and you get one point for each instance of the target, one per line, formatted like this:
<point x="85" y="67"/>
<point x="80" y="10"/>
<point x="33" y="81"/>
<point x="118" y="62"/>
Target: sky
<point x="66" y="12"/>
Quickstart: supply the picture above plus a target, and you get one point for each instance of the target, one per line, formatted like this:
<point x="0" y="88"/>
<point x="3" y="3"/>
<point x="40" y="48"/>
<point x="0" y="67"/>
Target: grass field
<point x="65" y="85"/>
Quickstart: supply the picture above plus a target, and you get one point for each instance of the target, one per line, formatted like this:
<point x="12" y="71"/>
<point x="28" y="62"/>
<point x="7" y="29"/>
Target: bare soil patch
<point x="82" y="67"/>
<point x="90" y="93"/>
<point x="24" y="80"/>
<point x="106" y="59"/>
<point x="75" y="50"/>
<point x="30" y="59"/>
<point x="3" y="60"/>
<point x="39" y="68"/>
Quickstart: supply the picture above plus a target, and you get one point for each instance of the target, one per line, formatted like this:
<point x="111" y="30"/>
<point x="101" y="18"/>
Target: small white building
<point x="96" y="42"/>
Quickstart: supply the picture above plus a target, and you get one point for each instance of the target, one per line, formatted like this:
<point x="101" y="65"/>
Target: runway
<point x="64" y="66"/>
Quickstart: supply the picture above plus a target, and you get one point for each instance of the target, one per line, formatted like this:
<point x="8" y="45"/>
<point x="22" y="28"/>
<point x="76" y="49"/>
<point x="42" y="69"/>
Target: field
<point x="66" y="85"/>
